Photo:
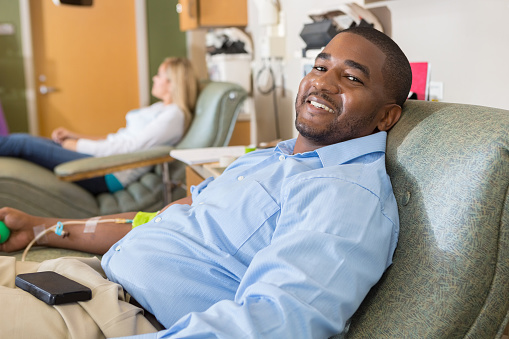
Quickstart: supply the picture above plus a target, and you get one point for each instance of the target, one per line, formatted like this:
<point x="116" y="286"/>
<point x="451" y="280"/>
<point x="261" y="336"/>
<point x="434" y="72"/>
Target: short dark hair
<point x="397" y="72"/>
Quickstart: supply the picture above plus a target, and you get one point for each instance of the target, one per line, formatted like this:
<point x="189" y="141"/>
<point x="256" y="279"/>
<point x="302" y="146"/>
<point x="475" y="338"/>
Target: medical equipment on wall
<point x="271" y="18"/>
<point x="229" y="56"/>
<point x="272" y="50"/>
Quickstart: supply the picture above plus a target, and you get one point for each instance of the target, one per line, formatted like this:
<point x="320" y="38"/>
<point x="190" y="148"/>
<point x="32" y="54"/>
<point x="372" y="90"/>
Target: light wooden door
<point x="85" y="65"/>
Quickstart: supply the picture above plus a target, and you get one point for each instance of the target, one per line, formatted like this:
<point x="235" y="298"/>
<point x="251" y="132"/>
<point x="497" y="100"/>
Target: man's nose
<point x="327" y="81"/>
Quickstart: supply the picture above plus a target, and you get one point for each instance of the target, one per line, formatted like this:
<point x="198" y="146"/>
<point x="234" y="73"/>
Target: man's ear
<point x="392" y="113"/>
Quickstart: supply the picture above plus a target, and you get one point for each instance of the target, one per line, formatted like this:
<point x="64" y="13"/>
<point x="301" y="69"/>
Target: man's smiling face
<point x="343" y="96"/>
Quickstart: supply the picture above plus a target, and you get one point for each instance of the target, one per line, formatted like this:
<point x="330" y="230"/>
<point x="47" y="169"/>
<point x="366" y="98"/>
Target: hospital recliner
<point x="36" y="190"/>
<point x="449" y="166"/>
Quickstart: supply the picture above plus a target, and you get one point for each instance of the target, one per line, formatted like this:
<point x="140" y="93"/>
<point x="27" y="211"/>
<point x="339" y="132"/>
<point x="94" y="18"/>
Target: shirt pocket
<point x="238" y="214"/>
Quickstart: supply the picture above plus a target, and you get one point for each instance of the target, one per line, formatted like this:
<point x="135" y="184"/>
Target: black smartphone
<point x="53" y="288"/>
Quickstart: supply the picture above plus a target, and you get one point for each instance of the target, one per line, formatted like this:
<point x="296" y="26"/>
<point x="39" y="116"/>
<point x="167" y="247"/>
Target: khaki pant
<point x="107" y="315"/>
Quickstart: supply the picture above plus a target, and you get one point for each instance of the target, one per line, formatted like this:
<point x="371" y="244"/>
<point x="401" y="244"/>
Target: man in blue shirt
<point x="288" y="241"/>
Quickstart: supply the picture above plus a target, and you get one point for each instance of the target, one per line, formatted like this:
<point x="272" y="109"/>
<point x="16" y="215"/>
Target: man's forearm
<point x="104" y="235"/>
<point x="97" y="237"/>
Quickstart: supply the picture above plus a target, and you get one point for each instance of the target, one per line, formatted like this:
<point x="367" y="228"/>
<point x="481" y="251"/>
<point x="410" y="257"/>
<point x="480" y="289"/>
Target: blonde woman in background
<point x="162" y="123"/>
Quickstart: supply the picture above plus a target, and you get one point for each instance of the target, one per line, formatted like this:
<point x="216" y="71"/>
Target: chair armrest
<point x="98" y="166"/>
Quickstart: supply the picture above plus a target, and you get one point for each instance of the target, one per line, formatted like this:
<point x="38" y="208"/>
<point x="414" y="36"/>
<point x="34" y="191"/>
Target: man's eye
<point x="320" y="68"/>
<point x="352" y="78"/>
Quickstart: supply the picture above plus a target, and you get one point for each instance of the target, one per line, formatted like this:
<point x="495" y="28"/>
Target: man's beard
<point x="336" y="130"/>
<point x="319" y="136"/>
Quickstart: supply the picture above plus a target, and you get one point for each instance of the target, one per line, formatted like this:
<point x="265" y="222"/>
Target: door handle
<point x="43" y="89"/>
<point x="191" y="8"/>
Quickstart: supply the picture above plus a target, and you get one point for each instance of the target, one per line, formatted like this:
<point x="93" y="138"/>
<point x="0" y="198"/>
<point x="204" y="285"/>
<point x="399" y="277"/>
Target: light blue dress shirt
<point x="279" y="246"/>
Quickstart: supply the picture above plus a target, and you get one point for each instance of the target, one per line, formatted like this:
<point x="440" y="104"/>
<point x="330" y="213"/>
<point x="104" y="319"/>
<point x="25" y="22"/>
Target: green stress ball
<point x="4" y="232"/>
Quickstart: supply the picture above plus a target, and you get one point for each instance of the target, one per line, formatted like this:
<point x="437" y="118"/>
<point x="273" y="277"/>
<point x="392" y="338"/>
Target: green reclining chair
<point x="36" y="190"/>
<point x="449" y="166"/>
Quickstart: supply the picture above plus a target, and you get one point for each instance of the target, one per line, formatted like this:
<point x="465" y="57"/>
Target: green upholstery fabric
<point x="214" y="130"/>
<point x="36" y="190"/>
<point x="449" y="166"/>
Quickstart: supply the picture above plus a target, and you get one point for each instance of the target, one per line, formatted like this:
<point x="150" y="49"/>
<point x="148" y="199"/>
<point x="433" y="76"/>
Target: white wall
<point x="465" y="41"/>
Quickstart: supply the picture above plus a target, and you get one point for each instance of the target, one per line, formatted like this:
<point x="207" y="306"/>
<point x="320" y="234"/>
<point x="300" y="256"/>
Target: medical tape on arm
<point x="38" y="230"/>
<point x="90" y="225"/>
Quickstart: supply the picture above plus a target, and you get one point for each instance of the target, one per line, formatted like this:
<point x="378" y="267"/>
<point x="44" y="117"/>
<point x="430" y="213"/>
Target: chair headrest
<point x="217" y="108"/>
<point x="449" y="166"/>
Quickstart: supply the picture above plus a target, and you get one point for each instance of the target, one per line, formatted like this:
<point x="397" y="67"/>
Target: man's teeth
<point x="316" y="104"/>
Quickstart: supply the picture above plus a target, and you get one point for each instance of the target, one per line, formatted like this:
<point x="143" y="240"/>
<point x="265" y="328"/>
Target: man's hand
<point x="21" y="226"/>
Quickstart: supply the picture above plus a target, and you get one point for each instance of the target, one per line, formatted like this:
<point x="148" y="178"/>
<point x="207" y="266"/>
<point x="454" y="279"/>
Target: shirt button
<point x="281" y="157"/>
<point x="240" y="178"/>
<point x="158" y="219"/>
<point x="118" y="248"/>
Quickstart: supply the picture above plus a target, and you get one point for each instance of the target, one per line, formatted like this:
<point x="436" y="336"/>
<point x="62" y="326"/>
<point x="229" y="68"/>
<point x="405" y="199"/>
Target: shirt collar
<point x="341" y="152"/>
<point x="285" y="146"/>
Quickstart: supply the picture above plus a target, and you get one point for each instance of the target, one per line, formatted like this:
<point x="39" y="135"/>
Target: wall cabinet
<point x="211" y="13"/>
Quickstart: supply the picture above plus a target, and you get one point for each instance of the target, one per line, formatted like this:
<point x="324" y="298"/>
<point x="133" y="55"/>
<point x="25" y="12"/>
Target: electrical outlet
<point x="6" y="29"/>
<point x="436" y="91"/>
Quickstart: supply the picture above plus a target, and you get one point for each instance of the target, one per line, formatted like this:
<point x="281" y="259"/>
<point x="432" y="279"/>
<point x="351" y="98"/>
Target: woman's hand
<point x="59" y="135"/>
<point x="21" y="226"/>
